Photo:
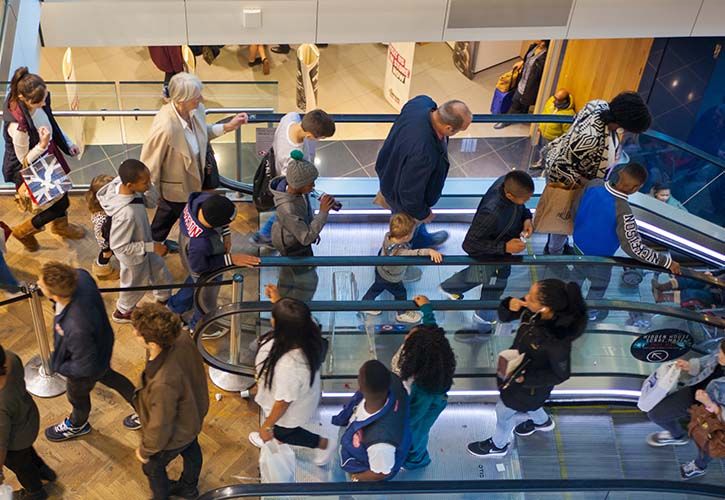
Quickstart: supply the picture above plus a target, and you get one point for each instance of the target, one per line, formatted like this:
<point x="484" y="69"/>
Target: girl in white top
<point x="288" y="377"/>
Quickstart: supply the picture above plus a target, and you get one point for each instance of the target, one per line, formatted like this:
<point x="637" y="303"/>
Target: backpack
<point x="261" y="193"/>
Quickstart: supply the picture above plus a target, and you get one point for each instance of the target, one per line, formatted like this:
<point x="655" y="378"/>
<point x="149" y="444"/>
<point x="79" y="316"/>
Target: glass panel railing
<point x="499" y="489"/>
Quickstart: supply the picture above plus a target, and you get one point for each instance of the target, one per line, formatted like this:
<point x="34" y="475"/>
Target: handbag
<point x="553" y="211"/>
<point x="658" y="385"/>
<point x="277" y="463"/>
<point x="707" y="430"/>
<point x="503" y="94"/>
<point x="211" y="170"/>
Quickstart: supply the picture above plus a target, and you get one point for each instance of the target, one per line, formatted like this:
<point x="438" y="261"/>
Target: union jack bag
<point x="45" y="180"/>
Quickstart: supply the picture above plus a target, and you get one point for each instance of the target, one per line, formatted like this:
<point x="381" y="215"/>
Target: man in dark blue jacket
<point x="203" y="226"/>
<point x="413" y="163"/>
<point x="501" y="221"/>
<point x="83" y="345"/>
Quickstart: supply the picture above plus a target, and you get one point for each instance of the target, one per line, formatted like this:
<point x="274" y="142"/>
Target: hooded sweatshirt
<point x="204" y="245"/>
<point x="394" y="274"/>
<point x="130" y="237"/>
<point x="295" y="229"/>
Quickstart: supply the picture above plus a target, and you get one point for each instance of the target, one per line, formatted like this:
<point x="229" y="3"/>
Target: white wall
<point x="158" y="22"/>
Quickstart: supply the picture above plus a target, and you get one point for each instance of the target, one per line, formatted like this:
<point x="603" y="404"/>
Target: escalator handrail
<point x="396" y="488"/>
<point x="445" y="305"/>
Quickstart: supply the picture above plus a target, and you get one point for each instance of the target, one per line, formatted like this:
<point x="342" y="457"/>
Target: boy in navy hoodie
<point x="203" y="225"/>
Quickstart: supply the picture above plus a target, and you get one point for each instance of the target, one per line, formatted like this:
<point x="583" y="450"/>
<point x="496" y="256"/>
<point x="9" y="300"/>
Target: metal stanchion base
<point x="230" y="382"/>
<point x="42" y="385"/>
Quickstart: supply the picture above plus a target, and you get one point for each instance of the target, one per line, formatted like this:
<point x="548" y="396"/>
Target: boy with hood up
<point x="295" y="229"/>
<point x="125" y="199"/>
<point x="203" y="224"/>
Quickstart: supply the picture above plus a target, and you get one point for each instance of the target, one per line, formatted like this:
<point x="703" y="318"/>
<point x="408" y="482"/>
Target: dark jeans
<point x="7" y="280"/>
<point x="26" y="464"/>
<point x="668" y="412"/>
<point x="155" y="469"/>
<point x="183" y="300"/>
<point x="166" y="215"/>
<point x="299" y="282"/>
<point x="79" y="393"/>
<point x="55" y="211"/>
<point x="493" y="281"/>
<point x="517" y="107"/>
<point x="296" y="437"/>
<point x="703" y="459"/>
<point x="381" y="284"/>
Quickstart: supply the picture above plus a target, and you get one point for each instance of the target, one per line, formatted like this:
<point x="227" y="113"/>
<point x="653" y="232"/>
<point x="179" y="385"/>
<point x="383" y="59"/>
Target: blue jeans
<point x="183" y="300"/>
<point x="381" y="284"/>
<point x="7" y="280"/>
<point x="421" y="238"/>
<point x="424" y="410"/>
<point x="506" y="421"/>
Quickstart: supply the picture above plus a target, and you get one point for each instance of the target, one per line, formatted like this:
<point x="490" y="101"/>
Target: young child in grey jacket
<point x="296" y="229"/>
<point x="390" y="278"/>
<point x="125" y="199"/>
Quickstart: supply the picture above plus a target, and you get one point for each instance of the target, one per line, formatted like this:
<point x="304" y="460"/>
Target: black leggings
<point x="55" y="211"/>
<point x="26" y="465"/>
<point x="296" y="437"/>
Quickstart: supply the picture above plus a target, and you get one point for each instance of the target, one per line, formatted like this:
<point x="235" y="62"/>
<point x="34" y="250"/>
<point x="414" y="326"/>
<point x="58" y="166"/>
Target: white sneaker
<point x="245" y="394"/>
<point x="373" y="313"/>
<point x="409" y="317"/>
<point x="256" y="439"/>
<point x="323" y="457"/>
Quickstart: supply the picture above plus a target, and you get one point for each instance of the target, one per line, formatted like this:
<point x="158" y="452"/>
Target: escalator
<point x="599" y="433"/>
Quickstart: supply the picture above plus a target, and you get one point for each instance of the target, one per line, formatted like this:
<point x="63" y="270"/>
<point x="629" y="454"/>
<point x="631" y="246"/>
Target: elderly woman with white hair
<point x="176" y="152"/>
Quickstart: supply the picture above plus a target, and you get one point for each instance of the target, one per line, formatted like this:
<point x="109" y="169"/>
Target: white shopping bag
<point x="658" y="385"/>
<point x="508" y="361"/>
<point x="277" y="463"/>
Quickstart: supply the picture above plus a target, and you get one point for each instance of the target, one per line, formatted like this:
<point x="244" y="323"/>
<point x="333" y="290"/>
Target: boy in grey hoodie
<point x="390" y="278"/>
<point x="125" y="199"/>
<point x="296" y="229"/>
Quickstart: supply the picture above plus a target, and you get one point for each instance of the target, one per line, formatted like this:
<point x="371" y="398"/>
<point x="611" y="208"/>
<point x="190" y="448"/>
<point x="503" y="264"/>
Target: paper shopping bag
<point x="45" y="180"/>
<point x="553" y="211"/>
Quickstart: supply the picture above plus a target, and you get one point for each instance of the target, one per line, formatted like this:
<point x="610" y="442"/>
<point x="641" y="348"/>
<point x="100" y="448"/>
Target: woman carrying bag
<point x="30" y="131"/>
<point x="553" y="314"/>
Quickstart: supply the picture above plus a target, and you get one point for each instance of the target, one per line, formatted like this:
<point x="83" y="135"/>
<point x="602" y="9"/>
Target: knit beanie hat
<point x="218" y="210"/>
<point x="300" y="172"/>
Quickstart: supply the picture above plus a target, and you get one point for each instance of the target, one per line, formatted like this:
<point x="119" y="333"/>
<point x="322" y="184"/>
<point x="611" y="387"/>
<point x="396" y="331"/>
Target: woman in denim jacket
<point x="697" y="374"/>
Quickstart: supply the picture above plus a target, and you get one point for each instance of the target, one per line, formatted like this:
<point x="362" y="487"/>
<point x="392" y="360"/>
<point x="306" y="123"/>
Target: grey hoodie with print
<point x="394" y="274"/>
<point x="130" y="237"/>
<point x="295" y="229"/>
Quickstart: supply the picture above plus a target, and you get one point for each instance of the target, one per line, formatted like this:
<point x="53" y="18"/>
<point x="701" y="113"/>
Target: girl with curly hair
<point x="426" y="363"/>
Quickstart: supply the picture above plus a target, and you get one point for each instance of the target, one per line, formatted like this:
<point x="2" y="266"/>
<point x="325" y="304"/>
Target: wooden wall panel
<point x="602" y="68"/>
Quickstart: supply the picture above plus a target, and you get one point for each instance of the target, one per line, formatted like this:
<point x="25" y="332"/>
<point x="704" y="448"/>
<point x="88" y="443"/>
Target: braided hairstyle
<point x="428" y="358"/>
<point x="566" y="302"/>
<point x="629" y="111"/>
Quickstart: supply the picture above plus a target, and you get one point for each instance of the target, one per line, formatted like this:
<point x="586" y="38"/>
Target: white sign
<point x="398" y="72"/>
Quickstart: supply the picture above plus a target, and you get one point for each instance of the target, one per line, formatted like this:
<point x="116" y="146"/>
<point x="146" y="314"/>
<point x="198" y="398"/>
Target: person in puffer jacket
<point x="296" y="229"/>
<point x="203" y="224"/>
<point x="390" y="278"/>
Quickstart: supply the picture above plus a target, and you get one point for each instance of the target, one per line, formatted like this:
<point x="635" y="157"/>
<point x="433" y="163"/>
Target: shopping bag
<point x="501" y="101"/>
<point x="658" y="385"/>
<point x="553" y="211"/>
<point x="45" y="180"/>
<point x="508" y="361"/>
<point x="707" y="430"/>
<point x="277" y="463"/>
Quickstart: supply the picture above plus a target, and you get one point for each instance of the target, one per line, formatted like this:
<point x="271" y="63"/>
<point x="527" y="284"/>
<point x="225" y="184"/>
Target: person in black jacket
<point x="501" y="221"/>
<point x="527" y="88"/>
<point x="553" y="314"/>
<point x="83" y="345"/>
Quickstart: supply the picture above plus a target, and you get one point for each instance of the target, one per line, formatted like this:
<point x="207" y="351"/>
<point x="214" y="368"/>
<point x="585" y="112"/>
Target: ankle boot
<point x="105" y="273"/>
<point x="61" y="227"/>
<point x="24" y="233"/>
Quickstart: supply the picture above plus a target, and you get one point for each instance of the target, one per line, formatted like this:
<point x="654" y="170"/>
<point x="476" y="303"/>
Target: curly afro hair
<point x="428" y="358"/>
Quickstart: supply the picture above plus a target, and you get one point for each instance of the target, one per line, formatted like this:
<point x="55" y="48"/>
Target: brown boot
<point x="24" y="233"/>
<point x="105" y="273"/>
<point x="61" y="227"/>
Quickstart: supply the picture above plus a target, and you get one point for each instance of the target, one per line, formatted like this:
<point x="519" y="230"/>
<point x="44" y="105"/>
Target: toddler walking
<point x="101" y="222"/>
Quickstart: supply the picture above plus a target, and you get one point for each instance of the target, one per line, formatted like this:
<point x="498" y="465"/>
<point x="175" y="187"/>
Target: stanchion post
<point x="224" y="380"/>
<point x="40" y="379"/>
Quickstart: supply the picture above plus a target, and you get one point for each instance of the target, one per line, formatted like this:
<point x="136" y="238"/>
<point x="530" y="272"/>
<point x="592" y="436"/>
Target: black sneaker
<point x="690" y="470"/>
<point x="529" y="427"/>
<point x="64" y="431"/>
<point x="486" y="449"/>
<point x="27" y="495"/>
<point x="177" y="489"/>
<point x="132" y="422"/>
<point x="47" y="474"/>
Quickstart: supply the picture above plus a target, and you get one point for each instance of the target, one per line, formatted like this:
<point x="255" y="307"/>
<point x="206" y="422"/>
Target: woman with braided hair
<point x="426" y="364"/>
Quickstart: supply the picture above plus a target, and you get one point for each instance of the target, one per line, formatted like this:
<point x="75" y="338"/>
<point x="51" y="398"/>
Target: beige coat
<point x="174" y="170"/>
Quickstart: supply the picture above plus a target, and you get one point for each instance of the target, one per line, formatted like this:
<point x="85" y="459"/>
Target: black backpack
<point x="261" y="194"/>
